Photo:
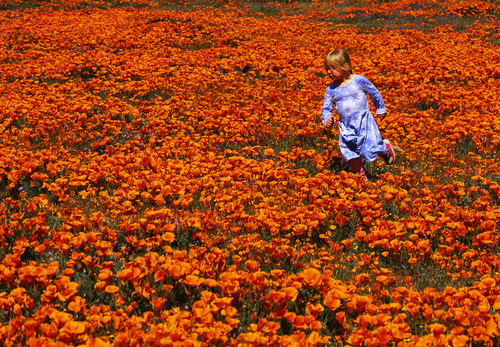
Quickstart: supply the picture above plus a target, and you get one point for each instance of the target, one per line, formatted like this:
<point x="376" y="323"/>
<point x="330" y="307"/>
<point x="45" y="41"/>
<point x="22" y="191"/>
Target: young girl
<point x="359" y="136"/>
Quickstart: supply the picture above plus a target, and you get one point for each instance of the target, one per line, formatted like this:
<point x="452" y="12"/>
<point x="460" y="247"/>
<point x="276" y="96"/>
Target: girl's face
<point x="336" y="75"/>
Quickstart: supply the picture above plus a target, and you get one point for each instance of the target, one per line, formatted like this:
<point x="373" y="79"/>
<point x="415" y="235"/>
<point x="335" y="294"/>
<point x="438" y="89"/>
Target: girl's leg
<point x="357" y="166"/>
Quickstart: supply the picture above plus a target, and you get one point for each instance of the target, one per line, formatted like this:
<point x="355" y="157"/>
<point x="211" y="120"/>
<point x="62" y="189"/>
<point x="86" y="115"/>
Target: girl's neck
<point x="346" y="80"/>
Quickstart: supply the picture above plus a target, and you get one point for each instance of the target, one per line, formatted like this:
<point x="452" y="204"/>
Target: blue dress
<point x="359" y="136"/>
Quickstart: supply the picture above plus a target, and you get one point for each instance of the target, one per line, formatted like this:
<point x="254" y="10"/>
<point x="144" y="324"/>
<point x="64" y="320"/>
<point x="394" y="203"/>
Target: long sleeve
<point x="326" y="110"/>
<point x="374" y="94"/>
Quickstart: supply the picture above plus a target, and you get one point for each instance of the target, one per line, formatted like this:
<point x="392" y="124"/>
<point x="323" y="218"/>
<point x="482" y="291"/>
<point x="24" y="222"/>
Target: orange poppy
<point x="74" y="328"/>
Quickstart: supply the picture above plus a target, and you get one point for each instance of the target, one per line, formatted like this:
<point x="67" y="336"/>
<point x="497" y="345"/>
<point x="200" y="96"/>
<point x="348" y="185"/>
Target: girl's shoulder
<point x="359" y="77"/>
<point x="331" y="86"/>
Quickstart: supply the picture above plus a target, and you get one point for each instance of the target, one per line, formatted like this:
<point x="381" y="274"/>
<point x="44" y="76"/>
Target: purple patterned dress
<point x="359" y="136"/>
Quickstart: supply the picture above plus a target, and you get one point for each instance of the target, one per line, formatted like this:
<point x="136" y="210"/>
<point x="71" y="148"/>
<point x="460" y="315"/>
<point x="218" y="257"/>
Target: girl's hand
<point x="329" y="122"/>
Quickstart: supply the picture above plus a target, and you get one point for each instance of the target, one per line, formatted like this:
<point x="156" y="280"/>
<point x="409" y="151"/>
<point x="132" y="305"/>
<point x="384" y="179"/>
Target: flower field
<point x="165" y="178"/>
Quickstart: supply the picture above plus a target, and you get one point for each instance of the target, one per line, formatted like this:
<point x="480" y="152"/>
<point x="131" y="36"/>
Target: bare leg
<point x="386" y="157"/>
<point x="357" y="166"/>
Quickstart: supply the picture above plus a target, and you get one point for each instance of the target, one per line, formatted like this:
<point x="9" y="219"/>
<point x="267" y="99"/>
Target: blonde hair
<point x="338" y="60"/>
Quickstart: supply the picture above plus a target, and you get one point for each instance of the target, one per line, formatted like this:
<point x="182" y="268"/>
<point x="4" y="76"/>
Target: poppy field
<point x="165" y="178"/>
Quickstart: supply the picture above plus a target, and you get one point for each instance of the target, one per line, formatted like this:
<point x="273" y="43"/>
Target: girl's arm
<point x="374" y="94"/>
<point x="326" y="110"/>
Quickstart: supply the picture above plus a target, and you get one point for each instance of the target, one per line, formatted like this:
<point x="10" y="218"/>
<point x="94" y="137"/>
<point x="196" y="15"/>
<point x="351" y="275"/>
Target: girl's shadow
<point x="337" y="165"/>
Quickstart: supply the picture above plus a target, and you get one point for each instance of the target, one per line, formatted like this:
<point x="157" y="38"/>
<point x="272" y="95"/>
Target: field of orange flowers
<point x="166" y="180"/>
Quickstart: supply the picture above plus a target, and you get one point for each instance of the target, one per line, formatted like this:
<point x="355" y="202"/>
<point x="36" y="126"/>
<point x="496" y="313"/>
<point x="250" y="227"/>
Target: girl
<point x="359" y="136"/>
